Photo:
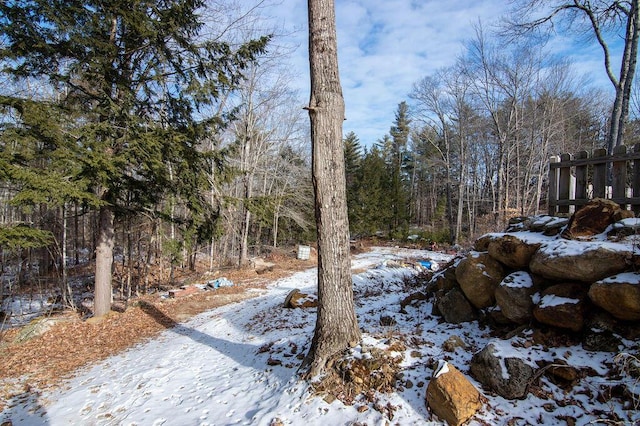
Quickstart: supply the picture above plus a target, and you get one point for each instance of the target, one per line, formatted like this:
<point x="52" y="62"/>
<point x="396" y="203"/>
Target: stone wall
<point x="566" y="280"/>
<point x="552" y="272"/>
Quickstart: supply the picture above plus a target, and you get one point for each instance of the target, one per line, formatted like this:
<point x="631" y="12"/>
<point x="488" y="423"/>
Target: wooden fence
<point x="574" y="180"/>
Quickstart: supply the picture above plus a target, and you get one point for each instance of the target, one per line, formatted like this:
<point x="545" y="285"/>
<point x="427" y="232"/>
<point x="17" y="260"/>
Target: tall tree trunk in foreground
<point x="336" y="323"/>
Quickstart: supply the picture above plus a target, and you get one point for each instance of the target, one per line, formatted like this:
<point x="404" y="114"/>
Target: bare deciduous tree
<point x="336" y="325"/>
<point x="620" y="19"/>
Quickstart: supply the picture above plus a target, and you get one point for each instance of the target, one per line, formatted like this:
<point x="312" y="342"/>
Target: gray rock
<point x="624" y="228"/>
<point x="455" y="308"/>
<point x="507" y="376"/>
<point x="452" y="343"/>
<point x="601" y="341"/>
<point x="514" y="297"/>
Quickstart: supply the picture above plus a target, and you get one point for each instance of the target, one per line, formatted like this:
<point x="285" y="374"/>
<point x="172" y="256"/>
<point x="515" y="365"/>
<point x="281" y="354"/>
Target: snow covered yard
<point x="237" y="365"/>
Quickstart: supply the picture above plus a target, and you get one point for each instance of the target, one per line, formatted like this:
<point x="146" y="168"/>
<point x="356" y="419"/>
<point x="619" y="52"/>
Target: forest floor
<point x="237" y="364"/>
<point x="72" y="342"/>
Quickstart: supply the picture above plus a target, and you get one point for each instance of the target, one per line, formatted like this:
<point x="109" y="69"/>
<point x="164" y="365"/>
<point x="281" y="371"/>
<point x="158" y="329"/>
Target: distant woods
<point x="471" y="145"/>
<point x="160" y="137"/>
<point x="145" y="137"/>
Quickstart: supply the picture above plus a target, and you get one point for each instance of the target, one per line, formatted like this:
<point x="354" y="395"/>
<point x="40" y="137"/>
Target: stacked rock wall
<point x="575" y="278"/>
<point x="551" y="272"/>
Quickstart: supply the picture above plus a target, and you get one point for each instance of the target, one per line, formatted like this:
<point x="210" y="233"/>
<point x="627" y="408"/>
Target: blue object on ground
<point x="429" y="264"/>
<point x="220" y="282"/>
<point x="425" y="263"/>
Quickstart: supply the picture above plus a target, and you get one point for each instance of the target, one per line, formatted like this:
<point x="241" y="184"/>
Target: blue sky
<point x="385" y="46"/>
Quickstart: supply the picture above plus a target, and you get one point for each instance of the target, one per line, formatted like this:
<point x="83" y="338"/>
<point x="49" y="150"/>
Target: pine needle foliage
<point x="129" y="80"/>
<point x="132" y="78"/>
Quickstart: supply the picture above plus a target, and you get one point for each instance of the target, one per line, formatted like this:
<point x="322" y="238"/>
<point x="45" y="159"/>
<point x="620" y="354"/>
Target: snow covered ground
<point x="236" y="365"/>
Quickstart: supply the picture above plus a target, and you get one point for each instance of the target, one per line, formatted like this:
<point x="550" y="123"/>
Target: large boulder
<point x="508" y="376"/>
<point x="478" y="275"/>
<point x="619" y="295"/>
<point x="514" y="297"/>
<point x="451" y="396"/>
<point x="513" y="250"/>
<point x="580" y="261"/>
<point x="455" y="308"/>
<point x="562" y="305"/>
<point x="594" y="218"/>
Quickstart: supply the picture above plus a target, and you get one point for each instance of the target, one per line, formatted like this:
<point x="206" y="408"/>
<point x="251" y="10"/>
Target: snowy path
<point x="207" y="371"/>
<point x="202" y="372"/>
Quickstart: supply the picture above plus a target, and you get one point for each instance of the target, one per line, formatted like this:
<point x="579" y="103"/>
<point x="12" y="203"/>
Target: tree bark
<point x="104" y="262"/>
<point x="336" y="324"/>
<point x="628" y="68"/>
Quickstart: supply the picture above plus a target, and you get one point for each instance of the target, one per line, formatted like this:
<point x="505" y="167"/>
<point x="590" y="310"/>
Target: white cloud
<point x="384" y="46"/>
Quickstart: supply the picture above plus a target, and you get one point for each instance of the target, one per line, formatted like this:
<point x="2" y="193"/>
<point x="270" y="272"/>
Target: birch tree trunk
<point x="336" y="324"/>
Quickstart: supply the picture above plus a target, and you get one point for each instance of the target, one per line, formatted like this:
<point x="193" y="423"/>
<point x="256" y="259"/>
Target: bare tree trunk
<point x="246" y="222"/>
<point x="462" y="186"/>
<point x="622" y="85"/>
<point x="276" y="220"/>
<point x="336" y="325"/>
<point x="67" y="295"/>
<point x="446" y="157"/>
<point x="76" y="249"/>
<point x="104" y="262"/>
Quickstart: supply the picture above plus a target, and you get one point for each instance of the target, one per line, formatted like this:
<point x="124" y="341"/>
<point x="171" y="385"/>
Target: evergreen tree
<point x="372" y="212"/>
<point x="137" y="71"/>
<point x="399" y="191"/>
<point x="352" y="156"/>
<point x="37" y="155"/>
<point x="38" y="168"/>
<point x="352" y="160"/>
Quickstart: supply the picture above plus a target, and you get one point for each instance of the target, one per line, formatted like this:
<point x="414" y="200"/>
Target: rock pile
<point x="574" y="277"/>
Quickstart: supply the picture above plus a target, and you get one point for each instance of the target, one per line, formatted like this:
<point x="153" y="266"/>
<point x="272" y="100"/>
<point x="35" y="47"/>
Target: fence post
<point x="581" y="179"/>
<point x="619" y="174"/>
<point x="599" y="174"/>
<point x="553" y="185"/>
<point x="564" y="184"/>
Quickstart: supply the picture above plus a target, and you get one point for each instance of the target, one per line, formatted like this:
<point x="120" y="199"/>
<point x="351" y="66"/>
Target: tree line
<point x="112" y="146"/>
<point x="470" y="146"/>
<point x="154" y="136"/>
